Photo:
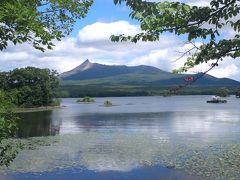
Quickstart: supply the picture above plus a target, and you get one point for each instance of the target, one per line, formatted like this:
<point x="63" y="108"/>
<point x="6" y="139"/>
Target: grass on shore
<point x="36" y="109"/>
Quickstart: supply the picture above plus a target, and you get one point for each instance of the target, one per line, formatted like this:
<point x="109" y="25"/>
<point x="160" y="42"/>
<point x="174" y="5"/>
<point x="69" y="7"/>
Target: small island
<point x="86" y="100"/>
<point x="108" y="103"/>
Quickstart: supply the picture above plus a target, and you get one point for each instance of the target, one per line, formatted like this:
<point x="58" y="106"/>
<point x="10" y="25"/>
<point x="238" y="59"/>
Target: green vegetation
<point x="136" y="90"/>
<point x="108" y="103"/>
<point x="38" y="109"/>
<point x="8" y="128"/>
<point x="86" y="99"/>
<point x="166" y="93"/>
<point x="31" y="87"/>
<point x="206" y="23"/>
<point x="38" y="22"/>
<point x="223" y="92"/>
<point x="63" y="94"/>
<point x="238" y="93"/>
<point x="19" y="89"/>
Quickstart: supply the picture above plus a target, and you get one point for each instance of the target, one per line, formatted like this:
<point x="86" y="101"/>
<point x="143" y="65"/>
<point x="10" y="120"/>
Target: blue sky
<point x="90" y="40"/>
<point x="104" y="11"/>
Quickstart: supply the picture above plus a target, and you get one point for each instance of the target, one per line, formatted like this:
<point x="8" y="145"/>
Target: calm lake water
<point x="179" y="137"/>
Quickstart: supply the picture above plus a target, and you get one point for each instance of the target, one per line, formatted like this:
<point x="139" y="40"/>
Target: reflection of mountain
<point x="37" y="124"/>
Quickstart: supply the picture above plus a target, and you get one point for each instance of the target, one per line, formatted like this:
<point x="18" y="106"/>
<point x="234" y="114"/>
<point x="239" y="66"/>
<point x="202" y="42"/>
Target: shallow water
<point x="181" y="136"/>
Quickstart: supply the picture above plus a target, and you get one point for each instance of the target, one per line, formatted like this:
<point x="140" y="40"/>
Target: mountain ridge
<point x="90" y="70"/>
<point x="95" y="73"/>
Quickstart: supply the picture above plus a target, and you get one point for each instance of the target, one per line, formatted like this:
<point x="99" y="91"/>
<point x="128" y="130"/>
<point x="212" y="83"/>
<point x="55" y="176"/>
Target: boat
<point x="217" y="99"/>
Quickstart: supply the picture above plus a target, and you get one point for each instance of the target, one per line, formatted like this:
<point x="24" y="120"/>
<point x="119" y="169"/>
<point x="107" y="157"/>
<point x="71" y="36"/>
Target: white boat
<point x="217" y="99"/>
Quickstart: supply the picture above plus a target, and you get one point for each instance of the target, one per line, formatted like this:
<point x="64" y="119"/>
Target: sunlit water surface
<point x="179" y="137"/>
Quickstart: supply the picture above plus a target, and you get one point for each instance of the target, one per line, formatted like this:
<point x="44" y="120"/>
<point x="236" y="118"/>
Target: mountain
<point x="93" y="79"/>
<point x="93" y="73"/>
<point x="88" y="70"/>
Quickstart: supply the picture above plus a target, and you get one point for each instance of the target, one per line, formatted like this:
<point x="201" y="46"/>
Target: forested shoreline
<point x="30" y="87"/>
<point x="22" y="88"/>
<point x="75" y="91"/>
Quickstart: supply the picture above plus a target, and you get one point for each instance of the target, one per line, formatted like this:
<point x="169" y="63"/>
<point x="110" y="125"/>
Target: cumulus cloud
<point x="100" y="31"/>
<point x="93" y="43"/>
<point x="159" y="58"/>
<point x="228" y="71"/>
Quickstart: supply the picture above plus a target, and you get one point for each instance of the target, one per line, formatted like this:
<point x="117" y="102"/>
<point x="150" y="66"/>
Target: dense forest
<point x="30" y="87"/>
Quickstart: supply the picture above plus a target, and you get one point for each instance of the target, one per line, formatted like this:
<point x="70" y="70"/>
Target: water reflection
<point x="34" y="124"/>
<point x="201" y="126"/>
<point x="185" y="134"/>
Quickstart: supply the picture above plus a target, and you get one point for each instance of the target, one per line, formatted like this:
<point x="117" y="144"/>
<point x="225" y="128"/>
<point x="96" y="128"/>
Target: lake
<point x="178" y="137"/>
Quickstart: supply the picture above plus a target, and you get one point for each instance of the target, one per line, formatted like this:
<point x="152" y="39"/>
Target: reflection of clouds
<point x="162" y="126"/>
<point x="94" y="151"/>
<point x="124" y="141"/>
<point x="207" y="126"/>
<point x="106" y="164"/>
<point x="193" y="122"/>
<point x="104" y="151"/>
<point x="69" y="127"/>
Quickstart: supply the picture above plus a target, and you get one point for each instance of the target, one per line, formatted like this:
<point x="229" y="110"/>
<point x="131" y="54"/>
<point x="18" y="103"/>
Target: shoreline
<point x="37" y="109"/>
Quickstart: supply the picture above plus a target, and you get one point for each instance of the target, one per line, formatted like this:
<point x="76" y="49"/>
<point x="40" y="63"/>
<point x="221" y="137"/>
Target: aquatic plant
<point x="219" y="160"/>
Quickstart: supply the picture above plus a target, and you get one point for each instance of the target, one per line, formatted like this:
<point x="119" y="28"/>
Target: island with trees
<point x="30" y="87"/>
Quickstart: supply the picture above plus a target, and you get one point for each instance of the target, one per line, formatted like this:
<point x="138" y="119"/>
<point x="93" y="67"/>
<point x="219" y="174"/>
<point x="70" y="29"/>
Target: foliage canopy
<point x="39" y="21"/>
<point x="223" y="92"/>
<point x="8" y="128"/>
<point x="196" y="23"/>
<point x="31" y="87"/>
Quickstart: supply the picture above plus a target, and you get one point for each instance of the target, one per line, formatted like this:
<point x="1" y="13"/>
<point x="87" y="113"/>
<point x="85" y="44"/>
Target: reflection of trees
<point x="28" y="125"/>
<point x="37" y="124"/>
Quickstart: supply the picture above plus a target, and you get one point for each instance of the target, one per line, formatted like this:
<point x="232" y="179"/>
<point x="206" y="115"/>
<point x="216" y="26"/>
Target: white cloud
<point x="228" y="71"/>
<point x="102" y="31"/>
<point x="93" y="43"/>
<point x="158" y="58"/>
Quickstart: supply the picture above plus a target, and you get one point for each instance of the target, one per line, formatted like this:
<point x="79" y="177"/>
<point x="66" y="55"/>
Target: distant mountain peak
<point x="89" y="70"/>
<point x="86" y="61"/>
<point x="113" y="74"/>
<point x="84" y="66"/>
